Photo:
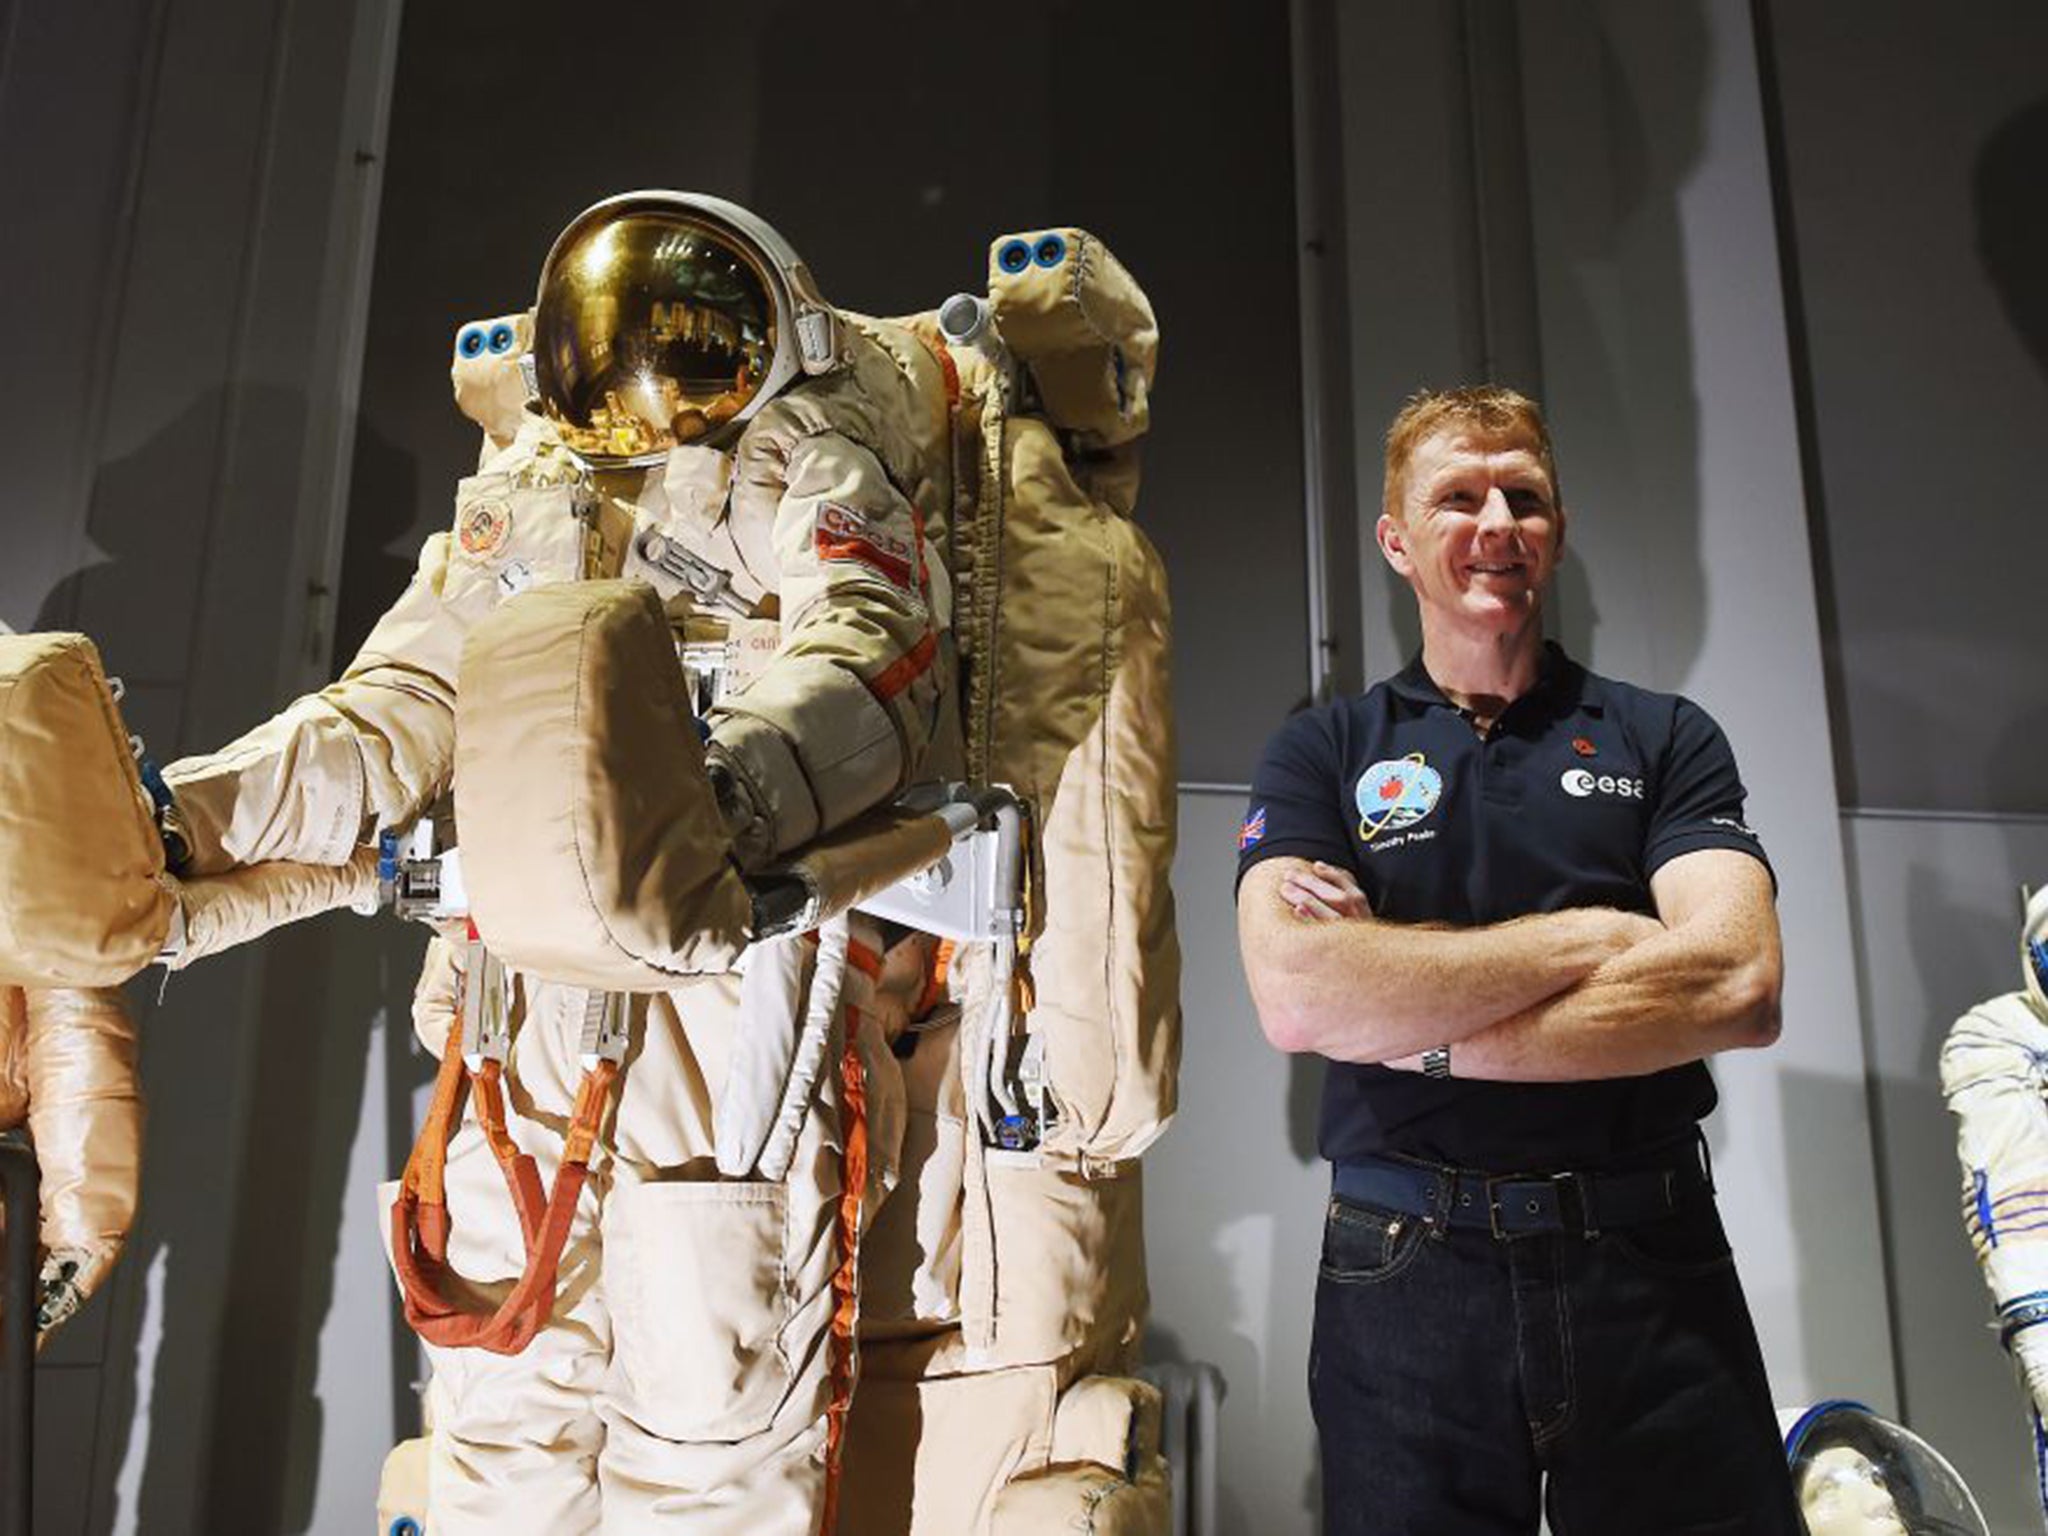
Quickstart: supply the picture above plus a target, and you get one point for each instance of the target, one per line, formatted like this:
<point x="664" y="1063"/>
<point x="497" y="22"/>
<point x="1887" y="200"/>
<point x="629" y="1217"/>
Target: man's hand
<point x="1322" y="892"/>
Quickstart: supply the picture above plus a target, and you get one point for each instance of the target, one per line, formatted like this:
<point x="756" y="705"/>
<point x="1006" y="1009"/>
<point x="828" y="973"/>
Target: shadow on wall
<point x="1614" y="99"/>
<point x="1616" y="96"/>
<point x="2012" y="240"/>
<point x="2012" y="222"/>
<point x="208" y="1342"/>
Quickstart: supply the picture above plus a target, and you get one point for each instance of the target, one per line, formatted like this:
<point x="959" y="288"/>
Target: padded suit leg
<point x="516" y="1438"/>
<point x="682" y="1381"/>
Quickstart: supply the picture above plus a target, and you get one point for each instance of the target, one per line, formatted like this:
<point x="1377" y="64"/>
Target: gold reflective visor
<point x="653" y="328"/>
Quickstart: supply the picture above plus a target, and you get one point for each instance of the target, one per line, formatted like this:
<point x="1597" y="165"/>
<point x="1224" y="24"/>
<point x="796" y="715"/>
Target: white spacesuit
<point x="756" y="454"/>
<point x="1994" y="1072"/>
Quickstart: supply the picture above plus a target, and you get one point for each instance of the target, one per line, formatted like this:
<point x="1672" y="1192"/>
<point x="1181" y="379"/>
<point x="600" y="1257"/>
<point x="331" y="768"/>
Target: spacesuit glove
<point x="752" y="844"/>
<point x="66" y="1280"/>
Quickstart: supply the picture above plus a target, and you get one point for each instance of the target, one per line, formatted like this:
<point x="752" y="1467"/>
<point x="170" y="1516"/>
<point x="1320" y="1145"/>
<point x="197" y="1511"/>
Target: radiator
<point x="1189" y="1418"/>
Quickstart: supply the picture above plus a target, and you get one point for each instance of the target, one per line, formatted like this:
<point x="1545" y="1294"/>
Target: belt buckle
<point x="1582" y="1187"/>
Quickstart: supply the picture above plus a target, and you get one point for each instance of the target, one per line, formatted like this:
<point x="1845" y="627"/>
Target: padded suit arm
<point x="840" y="720"/>
<point x="371" y="749"/>
<point x="85" y="1113"/>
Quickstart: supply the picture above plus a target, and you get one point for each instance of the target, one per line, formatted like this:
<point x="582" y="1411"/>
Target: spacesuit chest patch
<point x="841" y="533"/>
<point x="483" y="528"/>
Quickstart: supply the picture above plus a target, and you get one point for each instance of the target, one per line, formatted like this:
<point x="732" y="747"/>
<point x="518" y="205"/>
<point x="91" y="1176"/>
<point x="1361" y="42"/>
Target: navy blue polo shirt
<point x="1575" y="797"/>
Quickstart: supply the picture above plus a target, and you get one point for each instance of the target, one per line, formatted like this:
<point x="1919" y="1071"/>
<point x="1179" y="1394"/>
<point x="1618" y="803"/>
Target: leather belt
<point x="1524" y="1204"/>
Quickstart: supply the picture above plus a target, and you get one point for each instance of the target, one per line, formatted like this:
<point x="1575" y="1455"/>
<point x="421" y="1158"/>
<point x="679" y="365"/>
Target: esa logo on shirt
<point x="1581" y="784"/>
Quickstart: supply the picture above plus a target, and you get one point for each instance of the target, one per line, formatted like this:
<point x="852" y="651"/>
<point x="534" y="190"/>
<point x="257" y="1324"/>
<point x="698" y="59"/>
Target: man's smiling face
<point x="1477" y="531"/>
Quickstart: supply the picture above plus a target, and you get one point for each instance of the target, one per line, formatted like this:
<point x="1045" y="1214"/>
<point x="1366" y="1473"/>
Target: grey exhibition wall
<point x="187" y="193"/>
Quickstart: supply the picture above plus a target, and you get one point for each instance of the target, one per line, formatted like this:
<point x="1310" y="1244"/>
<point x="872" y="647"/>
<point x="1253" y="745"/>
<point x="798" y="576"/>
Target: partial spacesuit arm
<point x="840" y="720"/>
<point x="369" y="750"/>
<point x="85" y="1113"/>
<point x="1994" y="1073"/>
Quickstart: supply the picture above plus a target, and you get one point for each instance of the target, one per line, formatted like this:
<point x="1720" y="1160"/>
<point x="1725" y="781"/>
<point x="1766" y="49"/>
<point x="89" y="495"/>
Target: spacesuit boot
<point x="1994" y="1073"/>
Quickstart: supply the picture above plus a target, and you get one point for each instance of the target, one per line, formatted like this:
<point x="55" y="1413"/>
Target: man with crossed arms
<point x="1516" y="907"/>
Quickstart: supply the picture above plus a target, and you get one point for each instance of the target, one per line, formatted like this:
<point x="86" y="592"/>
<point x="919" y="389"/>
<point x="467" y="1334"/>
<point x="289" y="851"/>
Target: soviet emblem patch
<point x="483" y="528"/>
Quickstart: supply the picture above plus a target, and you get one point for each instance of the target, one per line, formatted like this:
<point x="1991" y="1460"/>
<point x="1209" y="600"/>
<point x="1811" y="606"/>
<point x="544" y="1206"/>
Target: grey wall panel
<point x="1937" y="906"/>
<point x="1234" y="1199"/>
<point x="1914" y="142"/>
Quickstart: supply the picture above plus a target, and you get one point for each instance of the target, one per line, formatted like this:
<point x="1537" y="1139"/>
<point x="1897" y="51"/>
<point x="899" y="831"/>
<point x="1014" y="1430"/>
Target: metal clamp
<point x="484" y="1006"/>
<point x="605" y="1031"/>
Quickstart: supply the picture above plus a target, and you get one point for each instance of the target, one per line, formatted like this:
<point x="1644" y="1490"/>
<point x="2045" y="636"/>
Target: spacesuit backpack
<point x="1064" y="634"/>
<point x="1003" y="1284"/>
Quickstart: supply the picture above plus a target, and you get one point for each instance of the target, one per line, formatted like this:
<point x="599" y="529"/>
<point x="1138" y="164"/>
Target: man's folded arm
<point x="1361" y="989"/>
<point x="1710" y="982"/>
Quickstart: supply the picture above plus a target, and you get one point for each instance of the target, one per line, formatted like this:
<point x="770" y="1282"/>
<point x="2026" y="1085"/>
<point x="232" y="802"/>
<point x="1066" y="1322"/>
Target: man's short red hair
<point x="1484" y="411"/>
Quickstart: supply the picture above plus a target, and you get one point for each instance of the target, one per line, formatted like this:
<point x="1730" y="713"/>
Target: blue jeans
<point x="1451" y="1371"/>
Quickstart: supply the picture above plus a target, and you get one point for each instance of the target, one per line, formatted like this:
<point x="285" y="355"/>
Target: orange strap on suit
<point x="419" y="1216"/>
<point x="846" y="1277"/>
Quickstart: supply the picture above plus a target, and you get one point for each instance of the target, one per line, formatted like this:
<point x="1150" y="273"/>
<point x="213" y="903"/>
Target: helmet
<point x="1859" y="1475"/>
<point x="2034" y="951"/>
<point x="666" y="318"/>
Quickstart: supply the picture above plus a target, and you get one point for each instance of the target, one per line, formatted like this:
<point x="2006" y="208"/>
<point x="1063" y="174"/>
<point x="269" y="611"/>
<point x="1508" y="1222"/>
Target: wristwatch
<point x="1436" y="1061"/>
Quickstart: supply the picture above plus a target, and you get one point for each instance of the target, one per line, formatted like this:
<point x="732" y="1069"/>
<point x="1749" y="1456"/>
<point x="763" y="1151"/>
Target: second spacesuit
<point x="1994" y="1073"/>
<point x="713" y="427"/>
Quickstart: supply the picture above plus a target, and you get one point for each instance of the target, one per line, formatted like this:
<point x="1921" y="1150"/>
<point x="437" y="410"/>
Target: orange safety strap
<point x="935" y="982"/>
<point x="864" y="958"/>
<point x="419" y="1215"/>
<point x="905" y="669"/>
<point x="846" y="1278"/>
<point x="927" y="333"/>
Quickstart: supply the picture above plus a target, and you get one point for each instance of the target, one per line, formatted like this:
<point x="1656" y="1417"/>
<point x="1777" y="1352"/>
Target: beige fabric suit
<point x="67" y="1071"/>
<point x="683" y="1379"/>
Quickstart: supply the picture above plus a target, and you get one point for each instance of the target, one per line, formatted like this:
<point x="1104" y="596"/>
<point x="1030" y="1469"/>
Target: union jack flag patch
<point x="1253" y="831"/>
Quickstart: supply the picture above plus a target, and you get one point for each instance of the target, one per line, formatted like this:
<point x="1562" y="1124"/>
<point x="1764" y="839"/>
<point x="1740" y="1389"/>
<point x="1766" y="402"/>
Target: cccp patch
<point x="841" y="533"/>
